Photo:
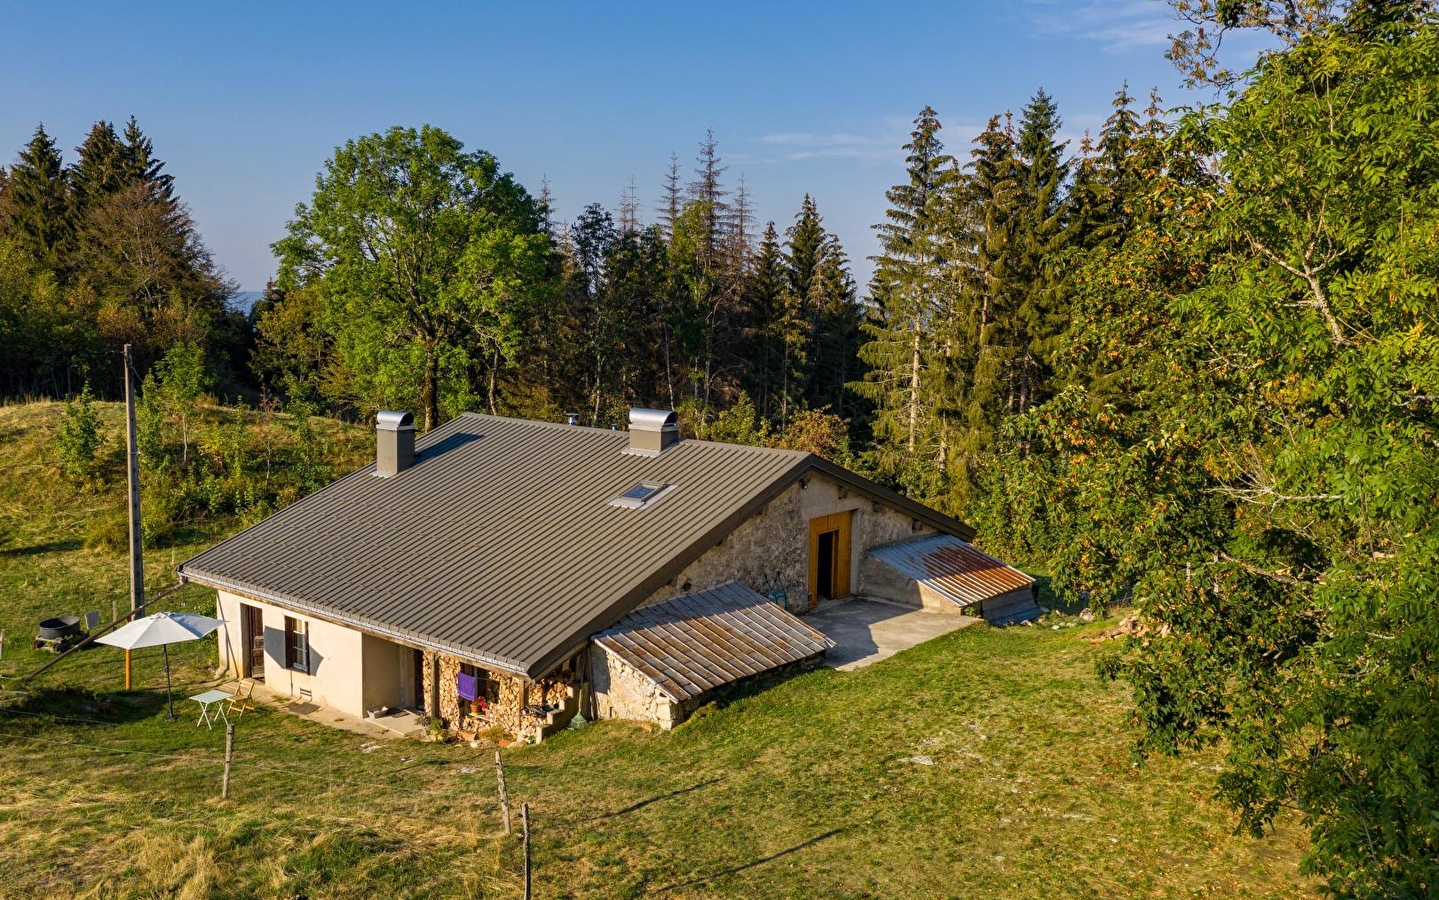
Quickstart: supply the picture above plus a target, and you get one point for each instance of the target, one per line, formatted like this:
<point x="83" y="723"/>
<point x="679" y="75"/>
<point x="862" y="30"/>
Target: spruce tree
<point x="765" y="303"/>
<point x="102" y="168"/>
<point x="708" y="190"/>
<point x="909" y="290"/>
<point x="990" y="205"/>
<point x="143" y="166"/>
<point x="1041" y="233"/>
<point x="835" y="334"/>
<point x="672" y="200"/>
<point x="39" y="202"/>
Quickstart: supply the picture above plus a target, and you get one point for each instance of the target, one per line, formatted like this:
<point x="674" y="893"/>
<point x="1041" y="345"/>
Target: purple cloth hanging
<point x="469" y="686"/>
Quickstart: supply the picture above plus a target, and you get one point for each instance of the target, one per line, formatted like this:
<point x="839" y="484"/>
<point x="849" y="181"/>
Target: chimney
<point x="652" y="431"/>
<point x="394" y="443"/>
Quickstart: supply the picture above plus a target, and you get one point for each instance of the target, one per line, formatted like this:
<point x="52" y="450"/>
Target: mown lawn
<point x="988" y="763"/>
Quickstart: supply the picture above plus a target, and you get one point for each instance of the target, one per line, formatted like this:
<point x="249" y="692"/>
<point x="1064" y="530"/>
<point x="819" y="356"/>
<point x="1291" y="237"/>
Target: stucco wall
<point x="776" y="540"/>
<point x="337" y="673"/>
<point x="389" y="673"/>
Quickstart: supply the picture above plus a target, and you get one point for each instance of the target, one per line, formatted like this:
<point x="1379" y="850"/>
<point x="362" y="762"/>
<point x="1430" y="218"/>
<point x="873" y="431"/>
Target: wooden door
<point x="252" y="637"/>
<point x="829" y="557"/>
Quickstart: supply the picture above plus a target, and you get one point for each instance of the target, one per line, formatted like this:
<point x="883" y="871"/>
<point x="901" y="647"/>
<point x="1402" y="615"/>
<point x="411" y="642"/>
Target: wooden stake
<point x="525" y="824"/>
<point x="504" y="796"/>
<point x="229" y="753"/>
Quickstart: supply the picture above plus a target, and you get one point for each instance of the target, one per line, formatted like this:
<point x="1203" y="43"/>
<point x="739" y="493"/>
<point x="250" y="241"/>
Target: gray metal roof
<point x="696" y="642"/>
<point x="499" y="546"/>
<point x="952" y="568"/>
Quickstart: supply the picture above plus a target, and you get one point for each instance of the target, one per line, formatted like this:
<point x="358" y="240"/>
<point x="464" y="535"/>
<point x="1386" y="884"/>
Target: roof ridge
<point x="540" y="423"/>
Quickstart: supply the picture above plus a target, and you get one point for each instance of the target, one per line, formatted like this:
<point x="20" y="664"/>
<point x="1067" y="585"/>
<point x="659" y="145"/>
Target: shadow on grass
<point x="1046" y="597"/>
<point x="81" y="706"/>
<point x="729" y="694"/>
<point x="733" y="870"/>
<point x="64" y="546"/>
<point x="655" y="799"/>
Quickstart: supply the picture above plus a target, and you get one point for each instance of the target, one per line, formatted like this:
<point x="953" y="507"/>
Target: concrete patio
<point x="400" y="724"/>
<point x="868" y="631"/>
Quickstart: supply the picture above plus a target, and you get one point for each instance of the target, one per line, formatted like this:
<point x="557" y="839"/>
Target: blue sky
<point x="245" y="101"/>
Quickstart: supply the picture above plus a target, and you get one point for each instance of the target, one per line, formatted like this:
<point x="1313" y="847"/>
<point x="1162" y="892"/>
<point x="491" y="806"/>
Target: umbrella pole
<point x="127" y="670"/>
<point x="168" y="693"/>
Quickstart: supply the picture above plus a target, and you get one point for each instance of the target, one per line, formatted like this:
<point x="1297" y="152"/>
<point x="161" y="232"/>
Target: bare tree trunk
<point x="494" y="376"/>
<point x="914" y="389"/>
<point x="429" y="390"/>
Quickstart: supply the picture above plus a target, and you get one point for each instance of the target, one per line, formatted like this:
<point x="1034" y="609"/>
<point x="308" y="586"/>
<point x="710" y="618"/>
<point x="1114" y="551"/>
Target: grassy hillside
<point x="62" y="546"/>
<point x="989" y="763"/>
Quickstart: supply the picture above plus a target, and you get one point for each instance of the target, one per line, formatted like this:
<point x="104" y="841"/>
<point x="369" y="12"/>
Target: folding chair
<point x="241" y="700"/>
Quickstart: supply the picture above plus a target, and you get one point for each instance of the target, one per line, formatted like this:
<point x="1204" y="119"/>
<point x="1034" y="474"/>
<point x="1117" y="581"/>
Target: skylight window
<point x="641" y="495"/>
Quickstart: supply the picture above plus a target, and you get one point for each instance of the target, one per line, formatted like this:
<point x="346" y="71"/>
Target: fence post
<point x="525" y="823"/>
<point x="504" y="796"/>
<point x="229" y="753"/>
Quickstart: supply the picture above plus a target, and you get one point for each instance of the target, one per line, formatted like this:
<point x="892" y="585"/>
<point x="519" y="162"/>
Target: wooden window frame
<point x="489" y="691"/>
<point x="297" y="644"/>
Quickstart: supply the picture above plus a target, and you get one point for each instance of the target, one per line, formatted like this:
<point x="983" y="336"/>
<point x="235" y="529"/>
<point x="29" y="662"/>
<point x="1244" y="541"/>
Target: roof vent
<point x="394" y="443"/>
<point x="653" y="431"/>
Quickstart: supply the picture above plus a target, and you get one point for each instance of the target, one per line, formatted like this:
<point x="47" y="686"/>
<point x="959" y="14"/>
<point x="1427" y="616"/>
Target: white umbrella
<point x="161" y="630"/>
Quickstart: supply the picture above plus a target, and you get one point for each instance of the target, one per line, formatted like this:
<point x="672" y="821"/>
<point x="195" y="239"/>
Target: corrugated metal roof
<point x="696" y="642"/>
<point x="953" y="568"/>
<point x="498" y="544"/>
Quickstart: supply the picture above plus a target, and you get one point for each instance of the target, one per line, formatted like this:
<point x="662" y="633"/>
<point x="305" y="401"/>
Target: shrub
<point x="79" y="441"/>
<point x="109" y="533"/>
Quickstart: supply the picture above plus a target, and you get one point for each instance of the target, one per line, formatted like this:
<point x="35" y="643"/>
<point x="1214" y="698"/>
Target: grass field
<point x="988" y="763"/>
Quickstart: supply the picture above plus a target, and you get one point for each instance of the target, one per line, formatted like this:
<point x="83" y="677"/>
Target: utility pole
<point x="132" y="470"/>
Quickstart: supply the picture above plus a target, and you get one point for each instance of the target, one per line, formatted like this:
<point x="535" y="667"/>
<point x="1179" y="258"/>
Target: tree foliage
<point x="79" y="441"/>
<point x="427" y="259"/>
<point x="1248" y="450"/>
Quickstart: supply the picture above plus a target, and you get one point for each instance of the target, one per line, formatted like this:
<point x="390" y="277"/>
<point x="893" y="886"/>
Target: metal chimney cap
<point x="642" y="419"/>
<point x="387" y="420"/>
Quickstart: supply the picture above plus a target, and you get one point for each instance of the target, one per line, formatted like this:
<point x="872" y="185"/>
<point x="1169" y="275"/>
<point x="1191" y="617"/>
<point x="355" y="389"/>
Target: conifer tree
<point x="819" y="281"/>
<point x="672" y="200"/>
<point x="102" y="168"/>
<point x="835" y="334"/>
<point x="629" y="219"/>
<point x="708" y="190"/>
<point x="769" y="324"/>
<point x="39" y="204"/>
<point x="989" y="204"/>
<point x="142" y="164"/>
<point x="1041" y="232"/>
<point x="909" y="292"/>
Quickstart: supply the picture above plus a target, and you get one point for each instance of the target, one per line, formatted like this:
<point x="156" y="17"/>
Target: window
<point x="641" y="495"/>
<point x="478" y="692"/>
<point x="297" y="644"/>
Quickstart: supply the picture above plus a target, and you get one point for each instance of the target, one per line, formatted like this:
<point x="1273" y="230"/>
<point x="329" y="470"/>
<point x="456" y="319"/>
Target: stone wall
<point x="884" y="583"/>
<point x="621" y="692"/>
<point x="775" y="541"/>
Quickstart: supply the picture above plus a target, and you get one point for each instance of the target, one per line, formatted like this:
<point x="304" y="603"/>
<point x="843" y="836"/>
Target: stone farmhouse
<point x="506" y="574"/>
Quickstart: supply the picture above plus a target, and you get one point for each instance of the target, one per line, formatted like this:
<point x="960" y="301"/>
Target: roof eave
<point x="354" y="622"/>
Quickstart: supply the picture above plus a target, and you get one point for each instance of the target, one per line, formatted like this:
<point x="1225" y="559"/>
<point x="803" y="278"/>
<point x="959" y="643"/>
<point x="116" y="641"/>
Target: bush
<point x="79" y="441"/>
<point x="111" y="534"/>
